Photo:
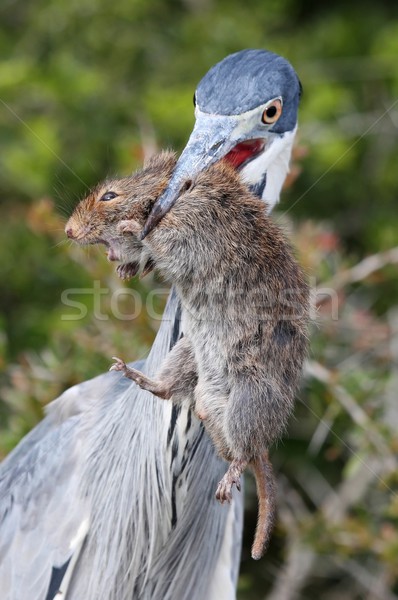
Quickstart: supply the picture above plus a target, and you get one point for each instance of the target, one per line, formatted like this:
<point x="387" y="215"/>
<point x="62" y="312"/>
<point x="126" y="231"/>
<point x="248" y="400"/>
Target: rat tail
<point x="266" y="492"/>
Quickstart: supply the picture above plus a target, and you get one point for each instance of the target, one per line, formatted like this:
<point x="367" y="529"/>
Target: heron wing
<point x="40" y="509"/>
<point x="137" y="474"/>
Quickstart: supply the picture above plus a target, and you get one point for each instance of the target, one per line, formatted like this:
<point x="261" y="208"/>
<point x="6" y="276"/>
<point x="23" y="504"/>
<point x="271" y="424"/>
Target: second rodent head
<point x="96" y="218"/>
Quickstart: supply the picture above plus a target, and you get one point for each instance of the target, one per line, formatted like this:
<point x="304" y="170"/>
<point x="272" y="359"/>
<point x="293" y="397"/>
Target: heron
<point x="111" y="495"/>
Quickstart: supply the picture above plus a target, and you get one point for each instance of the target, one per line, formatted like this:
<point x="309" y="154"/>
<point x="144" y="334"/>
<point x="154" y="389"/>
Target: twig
<point x="362" y="270"/>
<point x="373" y="584"/>
<point x="357" y="414"/>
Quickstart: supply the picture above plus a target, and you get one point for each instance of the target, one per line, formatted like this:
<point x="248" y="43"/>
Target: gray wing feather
<point x="36" y="520"/>
<point x="140" y="475"/>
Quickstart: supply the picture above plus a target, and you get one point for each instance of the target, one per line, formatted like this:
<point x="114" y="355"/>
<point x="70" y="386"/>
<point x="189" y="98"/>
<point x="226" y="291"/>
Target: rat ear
<point x="161" y="161"/>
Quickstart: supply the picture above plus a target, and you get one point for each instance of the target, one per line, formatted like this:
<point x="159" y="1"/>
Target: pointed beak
<point x="212" y="138"/>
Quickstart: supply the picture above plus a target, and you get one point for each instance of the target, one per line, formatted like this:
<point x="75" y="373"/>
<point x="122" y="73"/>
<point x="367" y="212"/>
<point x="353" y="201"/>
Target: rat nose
<point x="69" y="232"/>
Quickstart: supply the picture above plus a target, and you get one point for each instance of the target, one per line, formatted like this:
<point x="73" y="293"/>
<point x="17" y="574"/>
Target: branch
<point x="362" y="270"/>
<point x="357" y="414"/>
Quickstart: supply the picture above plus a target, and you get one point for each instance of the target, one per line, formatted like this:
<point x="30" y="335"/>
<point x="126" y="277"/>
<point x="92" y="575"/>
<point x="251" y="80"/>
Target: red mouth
<point x="244" y="152"/>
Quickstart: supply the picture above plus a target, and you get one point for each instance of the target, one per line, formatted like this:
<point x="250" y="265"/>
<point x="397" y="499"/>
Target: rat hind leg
<point x="146" y="383"/>
<point x="177" y="378"/>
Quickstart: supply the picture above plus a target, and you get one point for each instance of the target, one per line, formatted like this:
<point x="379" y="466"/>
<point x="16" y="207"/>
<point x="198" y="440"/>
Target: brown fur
<point x="245" y="311"/>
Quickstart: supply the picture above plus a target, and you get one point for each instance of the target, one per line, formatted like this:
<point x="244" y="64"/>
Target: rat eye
<point x="108" y="196"/>
<point x="272" y="113"/>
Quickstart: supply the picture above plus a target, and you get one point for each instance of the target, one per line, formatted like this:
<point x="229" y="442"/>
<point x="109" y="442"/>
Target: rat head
<point x="96" y="218"/>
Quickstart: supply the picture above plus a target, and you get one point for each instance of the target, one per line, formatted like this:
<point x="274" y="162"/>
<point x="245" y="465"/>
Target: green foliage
<point x="87" y="88"/>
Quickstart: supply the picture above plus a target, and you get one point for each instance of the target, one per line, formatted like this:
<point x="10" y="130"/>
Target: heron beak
<point x="211" y="140"/>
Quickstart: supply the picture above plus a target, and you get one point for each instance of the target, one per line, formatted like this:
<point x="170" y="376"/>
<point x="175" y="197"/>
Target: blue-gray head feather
<point x="247" y="79"/>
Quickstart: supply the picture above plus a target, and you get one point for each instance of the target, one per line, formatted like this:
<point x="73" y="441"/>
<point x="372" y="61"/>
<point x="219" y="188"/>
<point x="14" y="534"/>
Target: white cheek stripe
<point x="275" y="162"/>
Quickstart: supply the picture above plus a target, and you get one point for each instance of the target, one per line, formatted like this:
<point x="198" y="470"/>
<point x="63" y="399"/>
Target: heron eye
<point x="108" y="196"/>
<point x="194" y="99"/>
<point x="272" y="113"/>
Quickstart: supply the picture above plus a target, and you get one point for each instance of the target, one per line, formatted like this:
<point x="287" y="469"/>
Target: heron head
<point x="246" y="113"/>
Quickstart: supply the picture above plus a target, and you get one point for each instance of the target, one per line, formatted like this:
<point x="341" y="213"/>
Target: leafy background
<point x="88" y="88"/>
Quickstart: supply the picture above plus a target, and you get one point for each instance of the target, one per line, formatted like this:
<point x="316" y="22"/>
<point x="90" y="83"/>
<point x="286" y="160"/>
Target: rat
<point x="245" y="309"/>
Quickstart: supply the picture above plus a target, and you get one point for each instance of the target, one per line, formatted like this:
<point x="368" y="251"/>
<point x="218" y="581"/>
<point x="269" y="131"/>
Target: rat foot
<point x="127" y="270"/>
<point x="120" y="365"/>
<point x="156" y="387"/>
<point x="231" y="477"/>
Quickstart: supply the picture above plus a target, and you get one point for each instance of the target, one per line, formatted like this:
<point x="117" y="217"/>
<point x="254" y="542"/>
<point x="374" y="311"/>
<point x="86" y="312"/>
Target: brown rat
<point x="245" y="310"/>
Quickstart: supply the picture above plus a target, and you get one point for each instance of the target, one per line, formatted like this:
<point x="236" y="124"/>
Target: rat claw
<point x="127" y="270"/>
<point x="119" y="365"/>
<point x="224" y="489"/>
<point x="149" y="266"/>
<point x="223" y="494"/>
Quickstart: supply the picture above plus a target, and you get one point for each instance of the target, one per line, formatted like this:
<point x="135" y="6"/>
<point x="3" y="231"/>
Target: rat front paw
<point x="127" y="270"/>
